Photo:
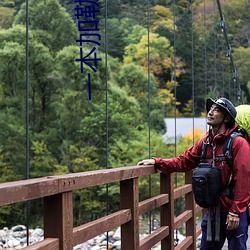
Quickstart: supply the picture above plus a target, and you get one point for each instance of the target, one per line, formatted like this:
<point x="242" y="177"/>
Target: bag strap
<point x="227" y="148"/>
<point x="209" y="225"/>
<point x="203" y="152"/>
<point x="217" y="223"/>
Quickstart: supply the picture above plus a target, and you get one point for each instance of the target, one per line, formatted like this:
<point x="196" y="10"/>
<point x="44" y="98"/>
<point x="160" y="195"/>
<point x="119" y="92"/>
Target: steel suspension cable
<point x="175" y="95"/>
<point x="149" y="94"/>
<point x="229" y="54"/>
<point x="222" y="68"/>
<point x="27" y="89"/>
<point x="205" y="50"/>
<point x="229" y="83"/>
<point x="107" y="111"/>
<point x="149" y="120"/>
<point x="174" y="73"/>
<point x="215" y="52"/>
<point x="27" y="207"/>
<point x="192" y="76"/>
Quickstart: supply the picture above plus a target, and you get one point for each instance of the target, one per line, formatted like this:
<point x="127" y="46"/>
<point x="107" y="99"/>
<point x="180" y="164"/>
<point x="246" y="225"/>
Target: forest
<point x="156" y="59"/>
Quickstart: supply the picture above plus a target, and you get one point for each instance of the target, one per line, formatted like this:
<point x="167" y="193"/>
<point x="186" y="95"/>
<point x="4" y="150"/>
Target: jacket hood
<point x="221" y="136"/>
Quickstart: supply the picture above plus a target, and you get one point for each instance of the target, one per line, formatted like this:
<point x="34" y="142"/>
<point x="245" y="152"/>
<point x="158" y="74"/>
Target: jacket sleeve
<point x="183" y="163"/>
<point x="241" y="175"/>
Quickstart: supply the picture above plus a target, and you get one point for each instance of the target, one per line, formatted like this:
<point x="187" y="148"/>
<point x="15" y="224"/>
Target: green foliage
<point x="7" y="212"/>
<point x="237" y="13"/>
<point x="124" y="153"/>
<point x="160" y="53"/>
<point x="132" y="79"/>
<point x="52" y="24"/>
<point x="242" y="63"/>
<point x="119" y="31"/>
<point x="81" y="160"/>
<point x="13" y="148"/>
<point x="161" y="16"/>
<point x="42" y="162"/>
<point x="12" y="68"/>
<point x="6" y="168"/>
<point x="6" y="17"/>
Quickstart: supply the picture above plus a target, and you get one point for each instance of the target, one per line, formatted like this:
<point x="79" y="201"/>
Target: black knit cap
<point x="223" y="103"/>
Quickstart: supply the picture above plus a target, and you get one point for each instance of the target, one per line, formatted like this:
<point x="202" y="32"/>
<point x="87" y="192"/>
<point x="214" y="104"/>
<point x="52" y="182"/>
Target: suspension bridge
<point x="59" y="233"/>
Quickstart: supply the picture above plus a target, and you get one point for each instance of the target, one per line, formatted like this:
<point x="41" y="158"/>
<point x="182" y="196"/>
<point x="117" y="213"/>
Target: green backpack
<point x="243" y="120"/>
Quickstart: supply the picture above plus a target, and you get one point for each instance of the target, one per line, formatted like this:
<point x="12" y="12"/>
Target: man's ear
<point x="228" y="118"/>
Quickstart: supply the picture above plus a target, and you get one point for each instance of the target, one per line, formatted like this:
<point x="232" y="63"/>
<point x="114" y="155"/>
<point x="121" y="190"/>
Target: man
<point x="221" y="115"/>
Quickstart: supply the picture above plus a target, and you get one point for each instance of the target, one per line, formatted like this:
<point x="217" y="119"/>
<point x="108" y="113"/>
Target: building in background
<point x="179" y="127"/>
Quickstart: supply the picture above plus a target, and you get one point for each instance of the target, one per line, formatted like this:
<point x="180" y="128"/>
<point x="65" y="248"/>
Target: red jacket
<point x="241" y="167"/>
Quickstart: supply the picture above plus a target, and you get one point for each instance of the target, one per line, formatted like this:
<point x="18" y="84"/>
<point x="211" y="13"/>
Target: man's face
<point x="215" y="116"/>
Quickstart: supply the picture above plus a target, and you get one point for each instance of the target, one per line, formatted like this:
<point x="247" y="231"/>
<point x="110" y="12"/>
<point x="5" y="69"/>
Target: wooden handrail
<point x="56" y="191"/>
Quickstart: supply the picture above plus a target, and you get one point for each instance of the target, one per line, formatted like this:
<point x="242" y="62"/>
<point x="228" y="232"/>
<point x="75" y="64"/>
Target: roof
<point x="178" y="127"/>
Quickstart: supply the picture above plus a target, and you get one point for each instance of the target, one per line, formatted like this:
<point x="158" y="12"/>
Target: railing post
<point x="167" y="210"/>
<point x="190" y="205"/>
<point x="129" y="198"/>
<point x="58" y="219"/>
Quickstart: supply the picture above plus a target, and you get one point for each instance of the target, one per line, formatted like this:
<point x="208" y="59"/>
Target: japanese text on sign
<point x="88" y="30"/>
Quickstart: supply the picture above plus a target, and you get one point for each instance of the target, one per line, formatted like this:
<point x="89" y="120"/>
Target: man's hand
<point x="146" y="162"/>
<point x="232" y="221"/>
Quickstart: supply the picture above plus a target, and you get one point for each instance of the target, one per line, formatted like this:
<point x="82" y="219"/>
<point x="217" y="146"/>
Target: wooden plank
<point x="129" y="195"/>
<point x="198" y="228"/>
<point x="90" y="230"/>
<point x="182" y="218"/>
<point x="99" y="177"/>
<point x="58" y="219"/>
<point x="198" y="231"/>
<point x="198" y="209"/>
<point x="190" y="205"/>
<point x="46" y="244"/>
<point x="167" y="210"/>
<point x="154" y="238"/>
<point x="178" y="192"/>
<point x="185" y="244"/>
<point x="24" y="190"/>
<point x="152" y="203"/>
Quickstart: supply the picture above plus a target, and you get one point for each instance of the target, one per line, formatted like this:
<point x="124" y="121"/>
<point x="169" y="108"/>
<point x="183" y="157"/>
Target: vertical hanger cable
<point x="192" y="76"/>
<point x="107" y="111"/>
<point x="149" y="121"/>
<point x="27" y="207"/>
<point x="175" y="102"/>
<point x="205" y="50"/>
<point x="215" y="53"/>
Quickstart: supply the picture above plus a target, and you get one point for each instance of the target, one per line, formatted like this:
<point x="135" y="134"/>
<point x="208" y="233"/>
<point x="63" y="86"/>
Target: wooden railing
<point x="59" y="232"/>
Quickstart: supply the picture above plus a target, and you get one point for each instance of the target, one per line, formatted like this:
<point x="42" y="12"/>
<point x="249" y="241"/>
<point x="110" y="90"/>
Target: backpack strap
<point x="203" y="152"/>
<point x="203" y="155"/>
<point x="227" y="151"/>
<point x="227" y="148"/>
